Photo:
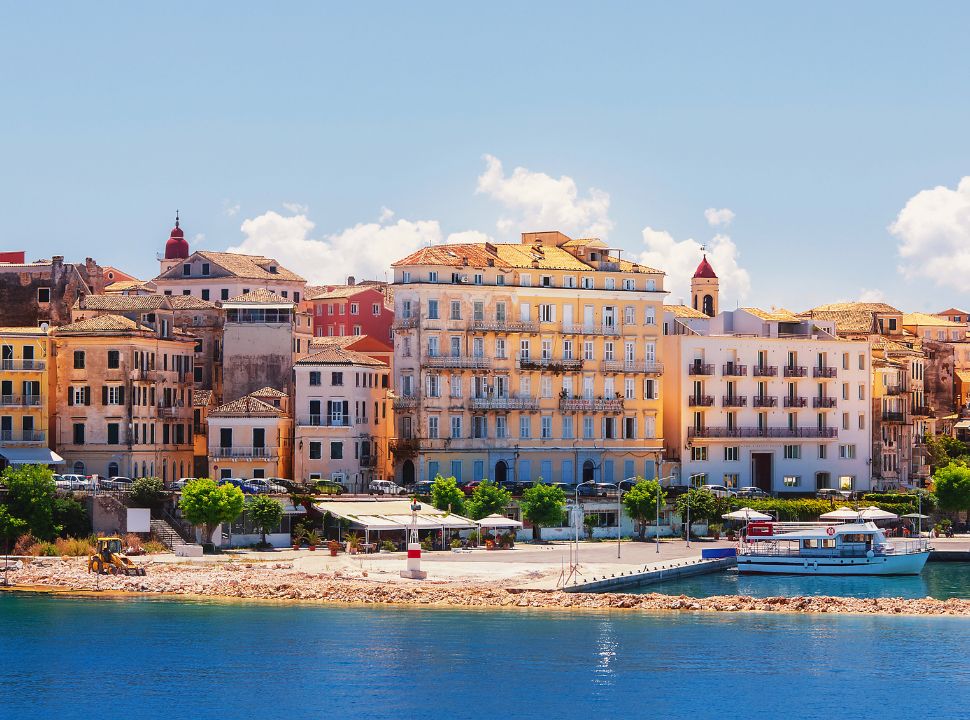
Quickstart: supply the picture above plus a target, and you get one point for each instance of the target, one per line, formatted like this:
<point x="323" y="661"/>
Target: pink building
<point x="353" y="309"/>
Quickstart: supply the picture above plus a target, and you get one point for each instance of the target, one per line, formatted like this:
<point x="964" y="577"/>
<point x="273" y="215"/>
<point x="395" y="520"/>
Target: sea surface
<point x="69" y="658"/>
<point x="941" y="580"/>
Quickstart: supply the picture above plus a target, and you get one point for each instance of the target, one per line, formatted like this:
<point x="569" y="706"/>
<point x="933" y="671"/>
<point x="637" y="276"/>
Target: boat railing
<point x="906" y="547"/>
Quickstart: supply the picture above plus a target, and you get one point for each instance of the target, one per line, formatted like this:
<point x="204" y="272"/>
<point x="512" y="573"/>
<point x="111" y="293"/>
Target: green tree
<point x="30" y="497"/>
<point x="487" y="499"/>
<point x="10" y="528"/>
<point x="72" y="517"/>
<point x="206" y="504"/>
<point x="703" y="506"/>
<point x="446" y="494"/>
<point x="266" y="513"/>
<point x="943" y="449"/>
<point x="952" y="487"/>
<point x="641" y="503"/>
<point x="543" y="506"/>
<point x="147" y="492"/>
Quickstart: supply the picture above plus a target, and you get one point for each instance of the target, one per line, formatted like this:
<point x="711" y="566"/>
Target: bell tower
<point x="704" y="289"/>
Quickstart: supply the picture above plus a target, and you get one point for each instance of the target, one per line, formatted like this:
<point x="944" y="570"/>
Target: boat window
<point x="828" y="543"/>
<point x="855" y="538"/>
<point x="807" y="544"/>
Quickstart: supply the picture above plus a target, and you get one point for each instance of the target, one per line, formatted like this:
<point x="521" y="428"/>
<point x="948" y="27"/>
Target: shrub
<point x="133" y="543"/>
<point x="473" y="537"/>
<point x="389" y="546"/>
<point x="427" y="543"/>
<point x="71" y="517"/>
<point x="44" y="549"/>
<point x="23" y="545"/>
<point x="155" y="546"/>
<point x="147" y="492"/>
<point x="455" y="544"/>
<point x="73" y="547"/>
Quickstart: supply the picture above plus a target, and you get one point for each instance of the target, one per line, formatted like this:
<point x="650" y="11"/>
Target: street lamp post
<point x="578" y="523"/>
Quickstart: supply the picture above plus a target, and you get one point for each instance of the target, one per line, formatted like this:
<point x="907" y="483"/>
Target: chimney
<point x="351" y="280"/>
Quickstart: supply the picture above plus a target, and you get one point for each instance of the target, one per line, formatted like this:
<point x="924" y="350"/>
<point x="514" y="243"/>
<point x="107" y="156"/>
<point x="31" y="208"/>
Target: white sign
<point x="139" y="520"/>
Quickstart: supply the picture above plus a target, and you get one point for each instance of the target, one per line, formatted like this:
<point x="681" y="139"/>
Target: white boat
<point x="853" y="548"/>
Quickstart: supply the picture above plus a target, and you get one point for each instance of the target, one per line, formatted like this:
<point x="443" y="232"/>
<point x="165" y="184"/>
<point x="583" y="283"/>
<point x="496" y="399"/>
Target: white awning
<point x="392" y="515"/>
<point x="31" y="456"/>
<point x="962" y="425"/>
<point x="498" y="521"/>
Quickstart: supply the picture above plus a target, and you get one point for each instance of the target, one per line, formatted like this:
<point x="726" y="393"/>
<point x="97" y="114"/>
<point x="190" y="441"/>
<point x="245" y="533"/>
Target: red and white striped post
<point x="414" y="570"/>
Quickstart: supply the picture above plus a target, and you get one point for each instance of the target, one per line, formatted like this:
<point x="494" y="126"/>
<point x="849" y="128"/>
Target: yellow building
<point x="25" y="397"/>
<point x="252" y="437"/>
<point x="528" y="360"/>
<point x="124" y="398"/>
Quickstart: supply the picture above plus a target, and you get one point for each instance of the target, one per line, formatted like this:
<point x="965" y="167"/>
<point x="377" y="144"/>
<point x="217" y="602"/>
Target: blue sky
<point x="813" y="125"/>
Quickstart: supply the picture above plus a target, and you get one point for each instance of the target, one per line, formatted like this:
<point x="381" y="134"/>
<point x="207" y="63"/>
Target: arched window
<point x="587" y="471"/>
<point x="79" y="468"/>
<point x="112" y="469"/>
<point x="501" y="471"/>
<point x="708" y="305"/>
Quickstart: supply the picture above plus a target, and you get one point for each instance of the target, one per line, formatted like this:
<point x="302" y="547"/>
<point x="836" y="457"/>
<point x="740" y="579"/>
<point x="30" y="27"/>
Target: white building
<point x="766" y="399"/>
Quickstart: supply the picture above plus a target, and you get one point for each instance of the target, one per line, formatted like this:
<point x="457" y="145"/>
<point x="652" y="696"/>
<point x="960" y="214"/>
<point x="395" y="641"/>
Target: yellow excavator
<point x="109" y="560"/>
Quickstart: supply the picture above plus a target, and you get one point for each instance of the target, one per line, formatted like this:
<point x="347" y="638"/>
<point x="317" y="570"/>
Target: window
<point x="792" y="481"/>
<point x="434" y="385"/>
<point x="567" y="427"/>
<point x="862" y="392"/>
<point x="186" y="269"/>
<point x="588" y="350"/>
<point x="205" y="268"/>
<point x="114" y="359"/>
<point x="545" y="386"/>
<point x="43" y="295"/>
<point x="224" y="294"/>
<point x="500" y="349"/>
<point x="479" y="278"/>
<point x="546" y="427"/>
<point x="405" y="276"/>
<point x="433" y="427"/>
<point x="205" y="294"/>
<point x="113" y="394"/>
<point x="731" y="454"/>
<point x="650" y="317"/>
<point x="78" y="359"/>
<point x="862" y="358"/>
<point x="479" y="427"/>
<point x="455" y="310"/>
<point x="793" y="452"/>
<point x="78" y="433"/>
<point x="822" y="452"/>
<point x="545" y="280"/>
<point x="587" y="282"/>
<point x="629" y="284"/>
<point x="610" y="283"/>
<point x="336" y="378"/>
<point x="432" y="309"/>
<point x="847" y="452"/>
<point x="629" y="388"/>
<point x="525" y="280"/>
<point x="649" y="389"/>
<point x="315" y="378"/>
<point x="499" y="279"/>
<point x="357" y="331"/>
<point x="355" y="308"/>
<point x="587" y="427"/>
<point x="433" y="276"/>
<point x="336" y="451"/>
<point x="112" y="433"/>
<point x="862" y="421"/>
<point x="845" y="421"/>
<point x="525" y="427"/>
<point x="699" y="453"/>
<point x="456" y="427"/>
<point x="731" y="480"/>
<point x="501" y="427"/>
<point x="547" y="312"/>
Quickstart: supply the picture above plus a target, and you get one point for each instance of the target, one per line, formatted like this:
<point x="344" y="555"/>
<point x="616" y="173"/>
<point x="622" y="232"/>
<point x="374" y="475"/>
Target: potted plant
<point x="489" y="544"/>
<point x="299" y="532"/>
<point x="715" y="530"/>
<point x="353" y="542"/>
<point x="473" y="538"/>
<point x="312" y="539"/>
<point x="455" y="544"/>
<point x="388" y="546"/>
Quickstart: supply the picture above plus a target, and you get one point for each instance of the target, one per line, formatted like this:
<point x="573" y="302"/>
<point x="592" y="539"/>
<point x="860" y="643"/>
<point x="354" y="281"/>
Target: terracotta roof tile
<point x="246" y="406"/>
<point x="252" y="267"/>
<point x="684" y="311"/>
<point x="201" y="398"/>
<point x="930" y="320"/>
<point x="103" y="324"/>
<point x="268" y="392"/>
<point x="259" y="295"/>
<point x="778" y="315"/>
<point x="333" y="355"/>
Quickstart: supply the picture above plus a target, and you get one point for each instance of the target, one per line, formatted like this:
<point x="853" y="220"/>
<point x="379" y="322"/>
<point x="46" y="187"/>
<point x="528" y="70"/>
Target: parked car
<point x="238" y="482"/>
<point x="78" y="482"/>
<point x="115" y="483"/>
<point x="263" y="486"/>
<point x="422" y="488"/>
<point x="62" y="483"/>
<point x="181" y="483"/>
<point x="833" y="494"/>
<point x="597" y="490"/>
<point x="329" y="487"/>
<point x="568" y="488"/>
<point x="516" y="487"/>
<point x="718" y="490"/>
<point x="385" y="487"/>
<point x="469" y="487"/>
<point x="750" y="491"/>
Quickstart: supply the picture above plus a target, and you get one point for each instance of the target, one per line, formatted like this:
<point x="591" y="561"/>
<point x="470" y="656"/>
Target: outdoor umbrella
<point x="842" y="513"/>
<point x="915" y="516"/>
<point x="874" y="513"/>
<point x="746" y="514"/>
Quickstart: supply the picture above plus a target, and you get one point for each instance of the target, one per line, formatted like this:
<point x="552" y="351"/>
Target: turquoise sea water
<point x="68" y="658"/>
<point x="939" y="580"/>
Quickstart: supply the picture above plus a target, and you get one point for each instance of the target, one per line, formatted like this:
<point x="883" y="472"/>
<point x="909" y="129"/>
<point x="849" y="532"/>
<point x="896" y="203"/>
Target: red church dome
<point x="704" y="270"/>
<point x="176" y="248"/>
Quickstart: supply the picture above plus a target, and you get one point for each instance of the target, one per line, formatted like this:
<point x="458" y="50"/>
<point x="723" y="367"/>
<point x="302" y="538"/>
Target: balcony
<point x="368" y="461"/>
<point x="610" y="405"/>
<point x="623" y="366"/>
<point x="139" y="375"/>
<point x="523" y="402"/>
<point x="700" y="401"/>
<point x="610" y="329"/>
<point x="921" y="411"/>
<point x="24" y="365"/>
<point x="894" y="390"/>
<point x="734" y="370"/>
<point x="795" y="402"/>
<point x="550" y="364"/>
<point x="406" y="402"/>
<point x="168" y="411"/>
<point x="796" y="371"/>
<point x="25" y="436"/>
<point x="756" y="432"/>
<point x="324" y="421"/>
<point x="893" y="416"/>
<point x="700" y="369"/>
<point x="734" y="401"/>
<point x="467" y="362"/>
<point x="764" y="401"/>
<point x="504" y="326"/>
<point x="20" y="400"/>
<point x="765" y="371"/>
<point x="244" y="453"/>
<point x="405" y="323"/>
<point x="823" y="402"/>
<point x="824" y="372"/>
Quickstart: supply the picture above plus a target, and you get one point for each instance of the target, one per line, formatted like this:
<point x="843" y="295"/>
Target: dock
<point x="653" y="574"/>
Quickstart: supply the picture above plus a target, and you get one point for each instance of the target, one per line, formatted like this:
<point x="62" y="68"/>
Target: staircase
<point x="170" y="532"/>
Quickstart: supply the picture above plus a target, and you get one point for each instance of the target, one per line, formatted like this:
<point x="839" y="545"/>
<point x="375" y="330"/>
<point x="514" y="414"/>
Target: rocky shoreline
<point x="281" y="582"/>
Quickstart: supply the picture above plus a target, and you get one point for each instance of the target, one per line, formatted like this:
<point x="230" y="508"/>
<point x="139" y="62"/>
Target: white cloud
<point x="296" y="208"/>
<point x="198" y="240"/>
<point x="679" y="259"/>
<point x="386" y="214"/>
<point x="719" y="218"/>
<point x="229" y="209"/>
<point x="468" y="236"/>
<point x="872" y="295"/>
<point x="365" y="250"/>
<point x="933" y="230"/>
<point x="537" y="201"/>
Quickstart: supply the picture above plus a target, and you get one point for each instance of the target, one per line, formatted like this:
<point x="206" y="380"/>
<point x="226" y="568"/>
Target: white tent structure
<point x="746" y="514"/>
<point x="842" y="513"/>
<point x="499" y="521"/>
<point x="392" y="515"/>
<point x="874" y="513"/>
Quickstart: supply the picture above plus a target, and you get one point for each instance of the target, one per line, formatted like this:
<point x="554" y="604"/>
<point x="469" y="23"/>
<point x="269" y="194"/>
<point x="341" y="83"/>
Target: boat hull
<point x="907" y="564"/>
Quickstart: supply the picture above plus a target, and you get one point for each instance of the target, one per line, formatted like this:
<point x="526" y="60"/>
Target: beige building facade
<point x="252" y="437"/>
